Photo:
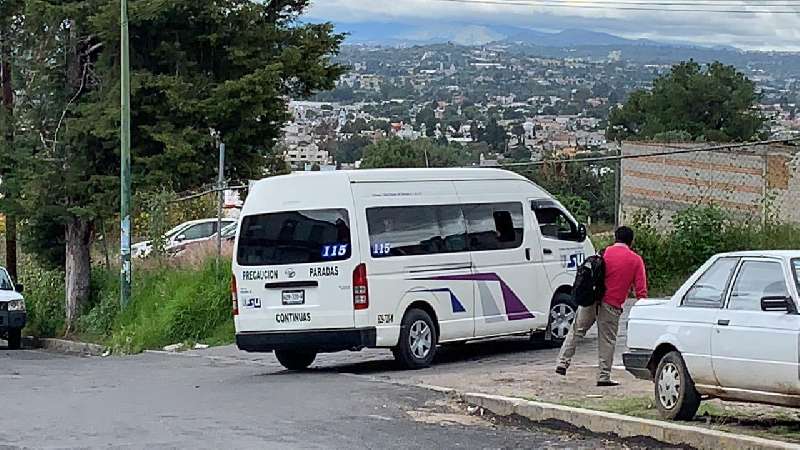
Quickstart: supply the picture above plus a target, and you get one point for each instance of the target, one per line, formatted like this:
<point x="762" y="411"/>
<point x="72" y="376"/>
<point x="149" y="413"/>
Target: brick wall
<point x="746" y="182"/>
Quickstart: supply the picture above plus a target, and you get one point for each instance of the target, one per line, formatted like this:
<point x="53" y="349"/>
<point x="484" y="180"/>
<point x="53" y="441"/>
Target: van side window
<point x="494" y="226"/>
<point x="416" y="230"/>
<point x="555" y="224"/>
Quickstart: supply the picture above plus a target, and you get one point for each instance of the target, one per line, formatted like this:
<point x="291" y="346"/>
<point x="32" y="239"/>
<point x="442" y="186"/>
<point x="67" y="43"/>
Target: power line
<point x="680" y="151"/>
<point x="618" y="6"/>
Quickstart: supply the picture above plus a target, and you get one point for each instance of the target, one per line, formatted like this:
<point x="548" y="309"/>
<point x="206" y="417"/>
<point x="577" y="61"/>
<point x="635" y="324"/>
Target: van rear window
<point x="294" y="237"/>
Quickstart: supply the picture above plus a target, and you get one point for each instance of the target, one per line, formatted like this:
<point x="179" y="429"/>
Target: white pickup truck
<point x="732" y="331"/>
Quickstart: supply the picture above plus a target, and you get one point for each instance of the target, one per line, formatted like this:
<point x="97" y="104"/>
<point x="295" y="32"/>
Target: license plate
<point x="294" y="297"/>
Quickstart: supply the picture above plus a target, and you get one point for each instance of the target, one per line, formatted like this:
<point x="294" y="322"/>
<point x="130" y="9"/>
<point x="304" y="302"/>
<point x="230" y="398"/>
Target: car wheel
<point x="14" y="339"/>
<point x="676" y="396"/>
<point x="295" y="360"/>
<point x="563" y="311"/>
<point x="418" y="338"/>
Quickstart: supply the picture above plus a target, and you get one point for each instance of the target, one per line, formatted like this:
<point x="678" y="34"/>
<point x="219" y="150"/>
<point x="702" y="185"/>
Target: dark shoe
<point x="561" y="371"/>
<point x="608" y="383"/>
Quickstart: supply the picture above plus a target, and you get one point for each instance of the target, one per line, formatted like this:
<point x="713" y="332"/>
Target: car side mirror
<point x="20" y="288"/>
<point x="778" y="303"/>
<point x="180" y="238"/>
<point x="582" y="233"/>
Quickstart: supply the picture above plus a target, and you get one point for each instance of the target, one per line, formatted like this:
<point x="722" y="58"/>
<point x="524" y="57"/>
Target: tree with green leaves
<point x="398" y="153"/>
<point x="428" y="117"/>
<point x="227" y="67"/>
<point x="713" y="102"/>
<point x="495" y="135"/>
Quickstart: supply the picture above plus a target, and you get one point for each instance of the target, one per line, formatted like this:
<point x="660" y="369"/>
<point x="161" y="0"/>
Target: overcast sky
<point x="747" y="31"/>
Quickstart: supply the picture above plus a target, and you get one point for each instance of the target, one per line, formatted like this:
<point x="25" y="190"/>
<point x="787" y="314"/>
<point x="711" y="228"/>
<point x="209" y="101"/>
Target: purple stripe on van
<point x="515" y="309"/>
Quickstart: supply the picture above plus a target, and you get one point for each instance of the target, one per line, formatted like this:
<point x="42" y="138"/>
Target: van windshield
<point x="294" y="237"/>
<point x="796" y="271"/>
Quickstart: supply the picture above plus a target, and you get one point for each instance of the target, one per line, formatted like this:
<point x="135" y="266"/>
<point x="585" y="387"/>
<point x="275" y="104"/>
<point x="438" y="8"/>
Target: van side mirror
<point x="778" y="303"/>
<point x="582" y="233"/>
<point x="180" y="238"/>
<point x="20" y="288"/>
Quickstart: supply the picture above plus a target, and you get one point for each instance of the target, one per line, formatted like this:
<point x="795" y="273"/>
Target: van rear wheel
<point x="295" y="360"/>
<point x="418" y="338"/>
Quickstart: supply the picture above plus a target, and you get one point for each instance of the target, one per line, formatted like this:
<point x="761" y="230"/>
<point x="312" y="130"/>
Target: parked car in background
<point x="12" y="311"/>
<point x="183" y="235"/>
<point x="731" y="332"/>
<point x="229" y="232"/>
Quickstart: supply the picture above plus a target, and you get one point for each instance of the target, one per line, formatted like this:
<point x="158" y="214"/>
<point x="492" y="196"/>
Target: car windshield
<point x="171" y="233"/>
<point x="5" y="281"/>
<point x="796" y="271"/>
<point x="229" y="230"/>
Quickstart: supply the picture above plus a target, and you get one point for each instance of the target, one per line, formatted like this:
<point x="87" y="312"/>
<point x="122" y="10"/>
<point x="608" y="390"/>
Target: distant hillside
<point x="401" y="34"/>
<point x="573" y="37"/>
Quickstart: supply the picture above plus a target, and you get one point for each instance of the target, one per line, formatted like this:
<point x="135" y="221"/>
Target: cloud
<point x="746" y="31"/>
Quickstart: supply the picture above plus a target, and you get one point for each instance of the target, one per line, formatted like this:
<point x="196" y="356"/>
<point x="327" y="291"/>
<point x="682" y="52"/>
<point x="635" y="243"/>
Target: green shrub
<point x="97" y="320"/>
<point x="44" y="298"/>
<point x="696" y="234"/>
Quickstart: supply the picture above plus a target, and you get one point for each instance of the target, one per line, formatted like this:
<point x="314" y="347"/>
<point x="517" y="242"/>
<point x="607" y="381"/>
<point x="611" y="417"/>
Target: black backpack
<point x="590" y="281"/>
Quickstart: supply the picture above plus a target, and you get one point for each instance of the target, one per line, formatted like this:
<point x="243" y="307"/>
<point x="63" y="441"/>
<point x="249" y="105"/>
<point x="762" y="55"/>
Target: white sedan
<point x="732" y="331"/>
<point x="183" y="235"/>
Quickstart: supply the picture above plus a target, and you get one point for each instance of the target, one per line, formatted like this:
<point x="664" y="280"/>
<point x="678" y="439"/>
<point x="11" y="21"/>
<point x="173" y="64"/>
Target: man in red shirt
<point x="624" y="270"/>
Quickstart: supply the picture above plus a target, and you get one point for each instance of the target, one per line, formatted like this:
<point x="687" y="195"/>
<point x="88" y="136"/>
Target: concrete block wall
<point x="749" y="183"/>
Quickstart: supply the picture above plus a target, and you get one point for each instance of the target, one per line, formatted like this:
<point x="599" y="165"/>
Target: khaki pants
<point x="607" y="318"/>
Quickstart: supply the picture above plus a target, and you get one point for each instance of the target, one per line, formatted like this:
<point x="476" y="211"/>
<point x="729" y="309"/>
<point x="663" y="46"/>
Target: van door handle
<point x="723" y="322"/>
<point x="547" y="251"/>
<point x="528" y="254"/>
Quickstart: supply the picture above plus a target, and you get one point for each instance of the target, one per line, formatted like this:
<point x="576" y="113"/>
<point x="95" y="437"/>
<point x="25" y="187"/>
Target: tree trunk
<point x="78" y="267"/>
<point x="11" y="247"/>
<point x="8" y="112"/>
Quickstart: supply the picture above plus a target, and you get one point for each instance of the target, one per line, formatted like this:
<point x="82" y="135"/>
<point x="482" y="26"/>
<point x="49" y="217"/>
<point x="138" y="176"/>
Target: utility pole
<point x="8" y="107"/>
<point x="125" y="159"/>
<point x="221" y="187"/>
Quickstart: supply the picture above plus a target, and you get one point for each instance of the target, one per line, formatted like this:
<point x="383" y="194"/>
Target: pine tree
<point x="229" y="66"/>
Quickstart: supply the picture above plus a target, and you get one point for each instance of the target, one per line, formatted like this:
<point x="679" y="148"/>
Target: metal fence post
<point x="618" y="191"/>
<point x="221" y="193"/>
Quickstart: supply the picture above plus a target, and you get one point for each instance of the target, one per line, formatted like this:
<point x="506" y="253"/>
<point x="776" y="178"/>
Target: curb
<point x="65" y="346"/>
<point x="621" y="425"/>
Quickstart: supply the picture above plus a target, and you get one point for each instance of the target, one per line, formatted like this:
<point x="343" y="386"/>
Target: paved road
<point x="163" y="401"/>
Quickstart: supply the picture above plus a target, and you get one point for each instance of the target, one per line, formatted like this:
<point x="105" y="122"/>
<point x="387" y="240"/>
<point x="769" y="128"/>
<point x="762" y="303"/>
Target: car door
<point x="754" y="349"/>
<point x="692" y="323"/>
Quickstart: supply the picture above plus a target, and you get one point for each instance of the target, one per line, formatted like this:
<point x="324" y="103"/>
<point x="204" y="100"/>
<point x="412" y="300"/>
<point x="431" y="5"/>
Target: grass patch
<point x="771" y="425"/>
<point x="170" y="304"/>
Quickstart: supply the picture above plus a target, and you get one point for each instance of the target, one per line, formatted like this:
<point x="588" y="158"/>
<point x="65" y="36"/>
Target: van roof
<point x="426" y="174"/>
<point x="388" y="175"/>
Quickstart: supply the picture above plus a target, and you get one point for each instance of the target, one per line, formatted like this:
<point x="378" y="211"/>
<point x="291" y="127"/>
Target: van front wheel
<point x="295" y="360"/>
<point x="418" y="338"/>
<point x="563" y="311"/>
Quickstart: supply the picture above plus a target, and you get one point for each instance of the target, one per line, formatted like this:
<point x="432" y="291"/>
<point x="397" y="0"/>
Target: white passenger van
<point x="403" y="259"/>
